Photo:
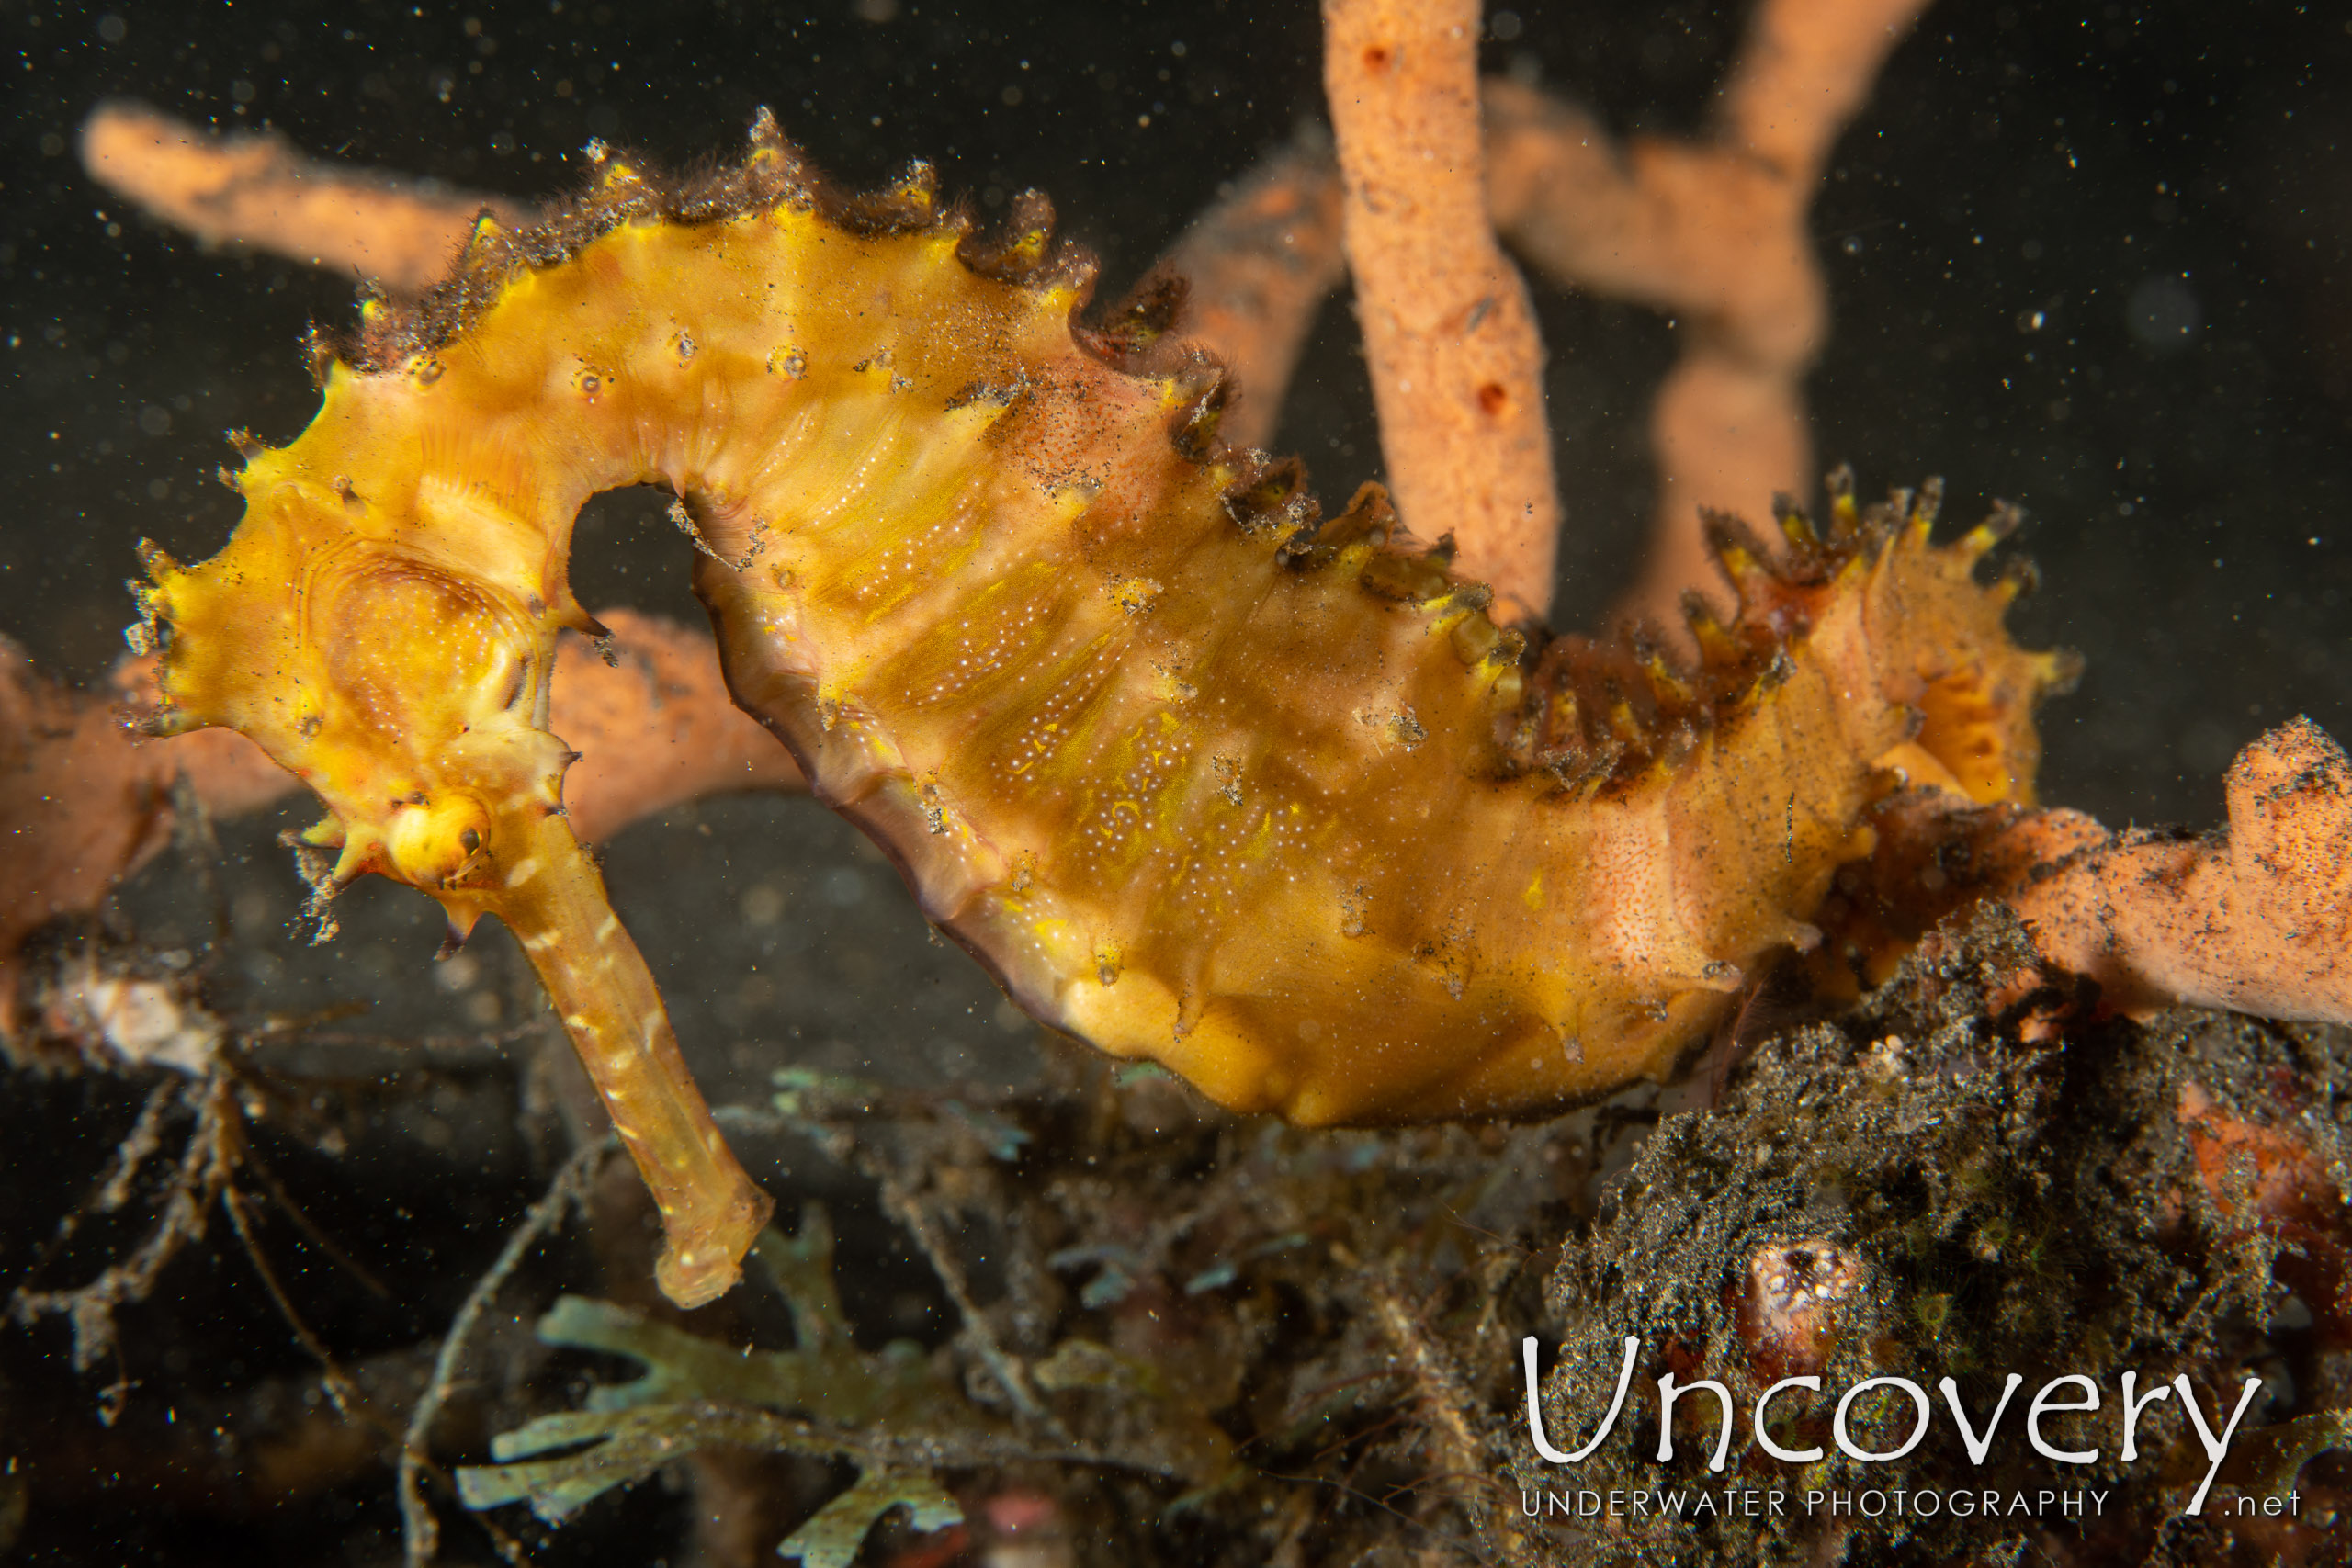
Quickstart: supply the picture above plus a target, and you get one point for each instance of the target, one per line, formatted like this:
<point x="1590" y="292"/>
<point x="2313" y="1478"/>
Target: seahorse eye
<point x="436" y="841"/>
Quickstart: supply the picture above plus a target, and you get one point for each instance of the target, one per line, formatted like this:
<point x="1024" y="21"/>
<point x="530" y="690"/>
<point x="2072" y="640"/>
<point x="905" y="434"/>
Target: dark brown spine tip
<point x="1719" y="646"/>
<point x="1795" y="526"/>
<point x="705" y="196"/>
<point x="1700" y="615"/>
<point x="917" y="191"/>
<point x="908" y="205"/>
<point x="1150" y="311"/>
<point x="1270" y="496"/>
<point x="319" y="355"/>
<point x="1019" y="252"/>
<point x="1073" y="268"/>
<point x="386" y="338"/>
<point x="1840" y="482"/>
<point x="1278" y="480"/>
<point x="1627" y="711"/>
<point x="2020" y="577"/>
<point x="486" y="245"/>
<point x="1033" y="219"/>
<point x="956" y="218"/>
<point x="1203" y="388"/>
<point x="617" y="194"/>
<point x="2004" y="520"/>
<point x="1406" y="576"/>
<point x="1929" y="503"/>
<point x="1729" y="538"/>
<point x="1300" y="522"/>
<point x="1369" y="518"/>
<point x="1580" y="765"/>
<point x="776" y="174"/>
<point x="2065" y="671"/>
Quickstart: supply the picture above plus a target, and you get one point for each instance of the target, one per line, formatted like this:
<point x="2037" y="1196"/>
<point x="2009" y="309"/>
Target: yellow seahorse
<point x="1200" y="777"/>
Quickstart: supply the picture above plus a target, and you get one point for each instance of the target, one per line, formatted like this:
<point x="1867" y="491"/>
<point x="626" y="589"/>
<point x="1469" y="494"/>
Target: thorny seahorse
<point x="1200" y="776"/>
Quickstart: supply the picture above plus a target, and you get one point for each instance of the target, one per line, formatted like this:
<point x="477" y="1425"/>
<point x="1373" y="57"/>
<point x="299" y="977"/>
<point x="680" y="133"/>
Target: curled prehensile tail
<point x="1199" y="776"/>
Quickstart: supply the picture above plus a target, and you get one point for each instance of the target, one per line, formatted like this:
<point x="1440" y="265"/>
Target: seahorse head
<point x="386" y="630"/>
<point x="407" y="688"/>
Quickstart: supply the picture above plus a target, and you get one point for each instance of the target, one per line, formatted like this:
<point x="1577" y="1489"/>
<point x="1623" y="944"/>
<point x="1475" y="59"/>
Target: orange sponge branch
<point x="1457" y="367"/>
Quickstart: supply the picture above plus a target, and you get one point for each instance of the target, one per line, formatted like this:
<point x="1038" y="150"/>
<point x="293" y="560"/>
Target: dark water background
<point x="2092" y="258"/>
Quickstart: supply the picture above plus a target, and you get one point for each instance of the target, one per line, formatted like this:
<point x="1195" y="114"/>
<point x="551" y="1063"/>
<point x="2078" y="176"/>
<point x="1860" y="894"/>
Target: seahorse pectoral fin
<point x="553" y="900"/>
